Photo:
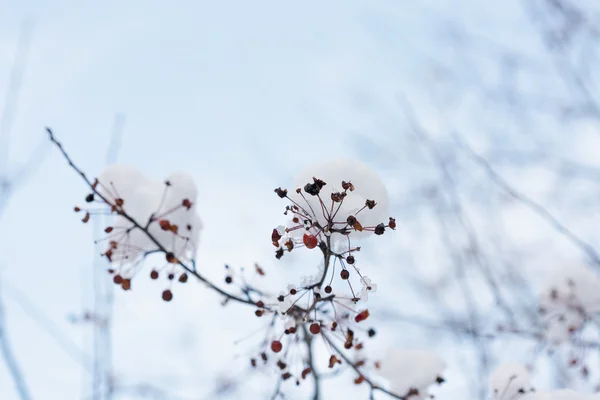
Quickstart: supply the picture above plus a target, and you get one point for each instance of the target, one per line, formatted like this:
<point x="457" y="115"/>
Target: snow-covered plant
<point x="412" y="372"/>
<point x="569" y="299"/>
<point x="335" y="204"/>
<point x="512" y="381"/>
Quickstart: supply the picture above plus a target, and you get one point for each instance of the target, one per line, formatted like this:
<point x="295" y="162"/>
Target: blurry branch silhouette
<point x="561" y="23"/>
<point x="9" y="358"/>
<point x="456" y="256"/>
<point x="535" y="207"/>
<point x="73" y="350"/>
<point x="11" y="99"/>
<point x="46" y="324"/>
<point x="571" y="38"/>
<point x="310" y="349"/>
<point x="103" y="293"/>
<point x="361" y="377"/>
<point x="8" y="184"/>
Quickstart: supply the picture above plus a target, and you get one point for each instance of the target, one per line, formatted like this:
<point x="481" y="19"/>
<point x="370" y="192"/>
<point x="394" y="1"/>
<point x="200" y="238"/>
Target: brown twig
<point x="137" y="225"/>
<point x="374" y="387"/>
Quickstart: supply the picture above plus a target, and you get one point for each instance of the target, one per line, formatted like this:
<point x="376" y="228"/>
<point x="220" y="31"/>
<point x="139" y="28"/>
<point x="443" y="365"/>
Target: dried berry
<point x="361" y="316"/>
<point x="275" y="236"/>
<point x="167" y="295"/>
<point x="171" y="258"/>
<point x="315" y="328"/>
<point x="334" y="360"/>
<point x="347" y="185"/>
<point x="350" y="259"/>
<point x="328" y="289"/>
<point x="164" y="224"/>
<point x="154" y="274"/>
<point x="310" y="241"/>
<point x="305" y="372"/>
<point x="379" y="229"/>
<point x="345" y="274"/>
<point x="126" y="284"/>
<point x="312" y="189"/>
<point x="276" y="346"/>
<point x="281" y="192"/>
<point x="279" y="253"/>
<point x="338" y="197"/>
<point x="392" y="223"/>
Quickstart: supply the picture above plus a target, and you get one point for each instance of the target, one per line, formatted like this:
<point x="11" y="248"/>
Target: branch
<point x="535" y="207"/>
<point x="374" y="387"/>
<point x="308" y="338"/>
<point x="11" y="362"/>
<point x="144" y="229"/>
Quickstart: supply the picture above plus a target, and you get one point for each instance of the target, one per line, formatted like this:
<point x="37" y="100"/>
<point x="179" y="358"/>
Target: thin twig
<point x="137" y="225"/>
<point x="9" y="358"/>
<point x="535" y="207"/>
<point x="373" y="386"/>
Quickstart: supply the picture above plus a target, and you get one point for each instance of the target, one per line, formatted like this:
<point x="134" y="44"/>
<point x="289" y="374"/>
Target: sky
<point x="238" y="94"/>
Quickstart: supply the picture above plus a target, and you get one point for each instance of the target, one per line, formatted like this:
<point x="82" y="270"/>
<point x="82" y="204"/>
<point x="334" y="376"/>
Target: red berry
<point x="167" y="295"/>
<point x="310" y="241"/>
<point x="315" y="328"/>
<point x="154" y="275"/>
<point x="361" y="316"/>
<point x="276" y="346"/>
<point x="345" y="274"/>
<point x="392" y="223"/>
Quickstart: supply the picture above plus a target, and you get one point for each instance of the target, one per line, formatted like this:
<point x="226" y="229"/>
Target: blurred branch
<point x="11" y="99"/>
<point x="537" y="208"/>
<point x="310" y="348"/>
<point x="9" y="358"/>
<point x="47" y="325"/>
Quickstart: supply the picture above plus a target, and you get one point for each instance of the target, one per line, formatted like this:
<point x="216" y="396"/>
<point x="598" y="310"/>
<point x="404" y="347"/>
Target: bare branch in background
<point x="14" y="369"/>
